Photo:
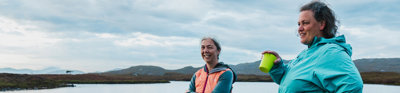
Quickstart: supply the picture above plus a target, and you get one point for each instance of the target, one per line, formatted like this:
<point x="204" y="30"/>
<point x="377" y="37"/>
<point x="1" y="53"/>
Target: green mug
<point x="267" y="62"/>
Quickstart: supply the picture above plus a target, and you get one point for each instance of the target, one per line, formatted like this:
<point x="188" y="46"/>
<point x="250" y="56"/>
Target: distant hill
<point x="139" y="70"/>
<point x="186" y="70"/>
<point x="378" y="65"/>
<point x="49" y="70"/>
<point x="251" y="68"/>
<point x="151" y="70"/>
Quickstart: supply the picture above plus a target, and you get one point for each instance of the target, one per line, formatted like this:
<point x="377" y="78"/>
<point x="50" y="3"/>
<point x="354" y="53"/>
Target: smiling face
<point x="309" y="27"/>
<point x="209" y="51"/>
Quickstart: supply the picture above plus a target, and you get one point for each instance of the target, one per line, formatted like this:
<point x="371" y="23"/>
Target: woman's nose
<point x="301" y="28"/>
<point x="205" y="50"/>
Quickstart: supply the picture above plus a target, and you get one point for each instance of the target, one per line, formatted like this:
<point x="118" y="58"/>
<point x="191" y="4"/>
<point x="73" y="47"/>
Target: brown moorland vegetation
<point x="44" y="81"/>
<point x="389" y="78"/>
<point x="24" y="81"/>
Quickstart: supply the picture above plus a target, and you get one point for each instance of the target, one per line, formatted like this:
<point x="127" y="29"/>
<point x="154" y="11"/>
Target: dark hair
<point x="323" y="13"/>
<point x="215" y="43"/>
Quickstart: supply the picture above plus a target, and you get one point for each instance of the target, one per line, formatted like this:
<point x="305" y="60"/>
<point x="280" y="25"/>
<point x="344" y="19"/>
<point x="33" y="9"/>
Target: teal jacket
<point x="325" y="67"/>
<point x="225" y="81"/>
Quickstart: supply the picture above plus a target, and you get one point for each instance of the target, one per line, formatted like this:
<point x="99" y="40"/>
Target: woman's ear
<point x="322" y="25"/>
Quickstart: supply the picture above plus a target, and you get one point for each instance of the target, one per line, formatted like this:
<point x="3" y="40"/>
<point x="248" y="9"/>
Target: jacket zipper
<point x="205" y="84"/>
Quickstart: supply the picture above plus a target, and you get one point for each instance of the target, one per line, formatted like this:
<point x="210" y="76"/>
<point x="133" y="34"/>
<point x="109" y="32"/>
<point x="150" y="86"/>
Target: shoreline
<point x="35" y="88"/>
<point x="11" y="82"/>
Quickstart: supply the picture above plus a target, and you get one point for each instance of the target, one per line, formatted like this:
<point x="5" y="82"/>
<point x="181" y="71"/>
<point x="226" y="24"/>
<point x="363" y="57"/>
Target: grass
<point x="389" y="78"/>
<point x="254" y="78"/>
<point x="102" y="79"/>
<point x="113" y="81"/>
<point x="18" y="81"/>
<point x="24" y="81"/>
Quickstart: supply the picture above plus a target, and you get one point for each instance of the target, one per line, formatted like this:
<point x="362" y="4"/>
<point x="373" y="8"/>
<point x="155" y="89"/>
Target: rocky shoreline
<point x="34" y="88"/>
<point x="23" y="81"/>
<point x="10" y="82"/>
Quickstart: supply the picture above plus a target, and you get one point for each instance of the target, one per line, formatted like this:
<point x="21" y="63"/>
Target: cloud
<point x="233" y="55"/>
<point x="106" y="35"/>
<point x="138" y="39"/>
<point x="257" y="31"/>
<point x="96" y="35"/>
<point x="373" y="41"/>
<point x="14" y="34"/>
<point x="22" y="44"/>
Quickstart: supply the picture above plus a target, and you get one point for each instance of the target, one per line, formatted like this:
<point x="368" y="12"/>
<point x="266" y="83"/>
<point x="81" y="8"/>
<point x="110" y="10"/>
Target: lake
<point x="181" y="86"/>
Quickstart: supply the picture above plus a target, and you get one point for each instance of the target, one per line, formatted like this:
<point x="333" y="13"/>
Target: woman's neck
<point x="211" y="66"/>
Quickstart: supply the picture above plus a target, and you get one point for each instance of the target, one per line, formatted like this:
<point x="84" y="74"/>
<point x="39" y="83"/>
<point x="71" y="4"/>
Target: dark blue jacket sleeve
<point x="224" y="84"/>
<point x="192" y="86"/>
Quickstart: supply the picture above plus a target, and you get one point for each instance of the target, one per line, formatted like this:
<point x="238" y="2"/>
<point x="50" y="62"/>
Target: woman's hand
<point x="278" y="58"/>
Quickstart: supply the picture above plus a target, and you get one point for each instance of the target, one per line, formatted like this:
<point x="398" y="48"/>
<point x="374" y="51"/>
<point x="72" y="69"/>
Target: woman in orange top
<point x="214" y="77"/>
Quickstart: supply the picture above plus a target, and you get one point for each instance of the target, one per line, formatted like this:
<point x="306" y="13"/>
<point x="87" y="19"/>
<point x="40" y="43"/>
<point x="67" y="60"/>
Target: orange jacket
<point x="204" y="81"/>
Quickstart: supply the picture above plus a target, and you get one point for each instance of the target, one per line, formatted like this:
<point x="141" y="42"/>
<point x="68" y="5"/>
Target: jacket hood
<point x="219" y="67"/>
<point x="339" y="40"/>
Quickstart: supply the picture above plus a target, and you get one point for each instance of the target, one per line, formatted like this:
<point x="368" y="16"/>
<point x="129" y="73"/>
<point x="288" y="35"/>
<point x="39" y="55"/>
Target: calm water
<point x="181" y="86"/>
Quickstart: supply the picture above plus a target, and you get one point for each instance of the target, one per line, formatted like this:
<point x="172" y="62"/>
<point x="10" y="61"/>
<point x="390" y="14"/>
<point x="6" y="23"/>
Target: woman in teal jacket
<point x="326" y="65"/>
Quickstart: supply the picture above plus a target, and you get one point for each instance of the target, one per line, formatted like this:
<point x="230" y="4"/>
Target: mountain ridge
<point x="251" y="68"/>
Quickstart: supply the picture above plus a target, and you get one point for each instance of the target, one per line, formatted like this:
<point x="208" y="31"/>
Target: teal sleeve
<point x="224" y="84"/>
<point x="277" y="72"/>
<point x="192" y="87"/>
<point x="337" y="73"/>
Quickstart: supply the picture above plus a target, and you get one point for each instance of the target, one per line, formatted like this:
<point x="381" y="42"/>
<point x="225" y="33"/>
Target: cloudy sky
<point x="101" y="35"/>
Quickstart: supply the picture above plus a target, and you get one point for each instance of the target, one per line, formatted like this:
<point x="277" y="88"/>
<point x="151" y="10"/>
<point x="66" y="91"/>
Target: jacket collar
<point x="219" y="67"/>
<point x="339" y="40"/>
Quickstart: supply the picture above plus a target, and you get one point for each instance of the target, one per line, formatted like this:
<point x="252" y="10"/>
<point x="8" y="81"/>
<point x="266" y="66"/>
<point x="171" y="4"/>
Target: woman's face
<point x="309" y="27"/>
<point x="209" y="51"/>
